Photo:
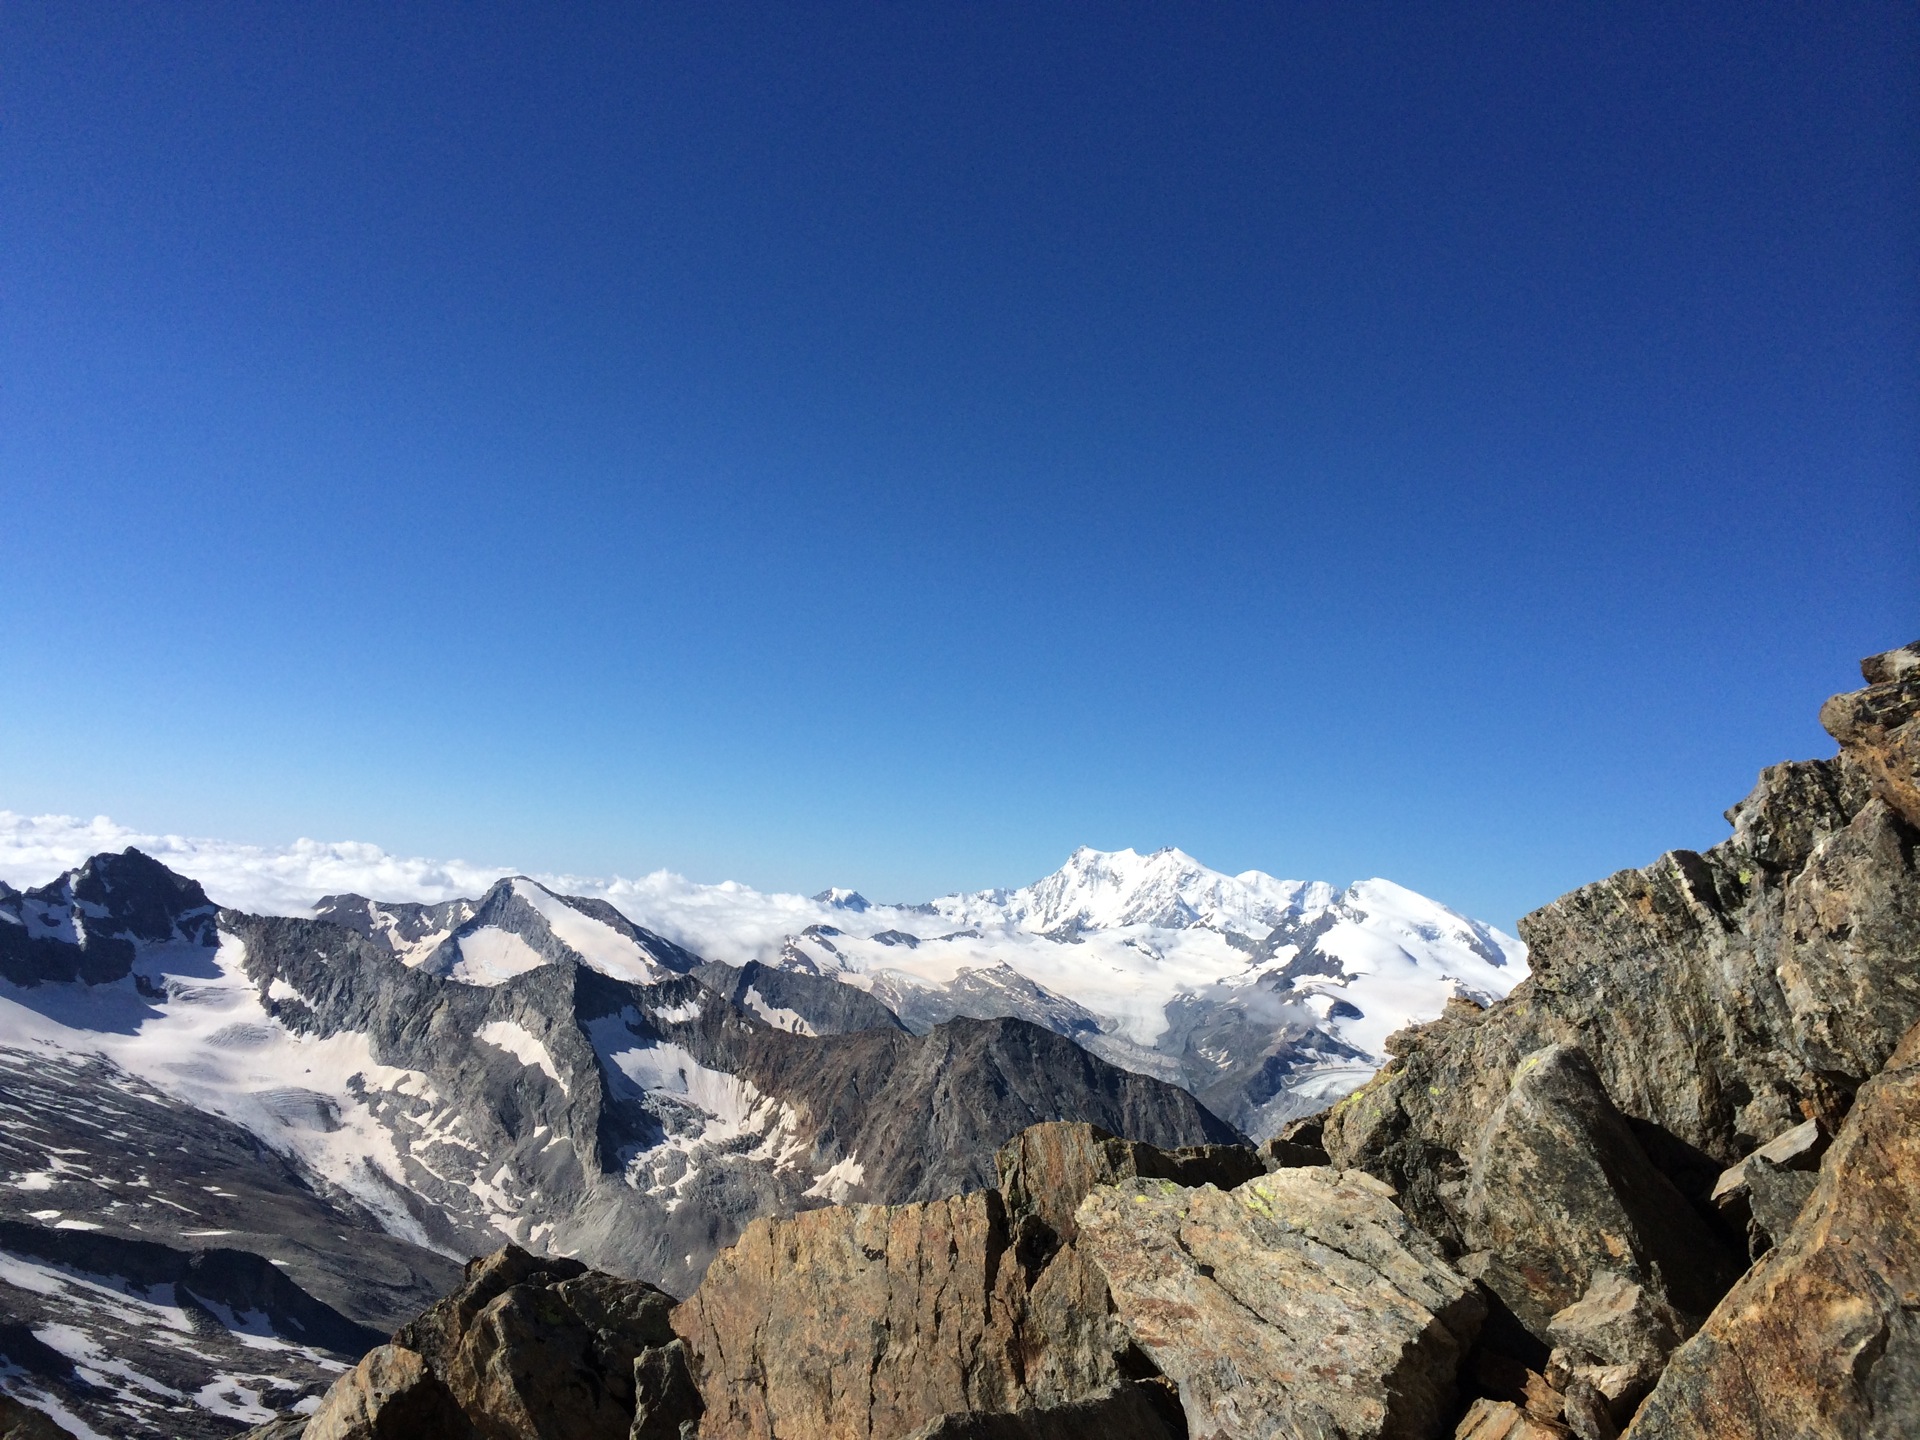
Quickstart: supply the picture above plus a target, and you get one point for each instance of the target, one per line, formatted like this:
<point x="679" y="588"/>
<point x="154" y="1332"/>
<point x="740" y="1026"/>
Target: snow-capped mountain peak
<point x="840" y="899"/>
<point x="517" y="926"/>
<point x="1167" y="889"/>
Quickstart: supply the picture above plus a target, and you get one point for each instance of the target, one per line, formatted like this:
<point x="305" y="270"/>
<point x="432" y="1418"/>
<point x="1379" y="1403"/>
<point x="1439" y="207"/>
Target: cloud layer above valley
<point x="728" y="921"/>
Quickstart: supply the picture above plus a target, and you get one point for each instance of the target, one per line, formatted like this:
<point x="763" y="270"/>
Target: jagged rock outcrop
<point x="1488" y="1419"/>
<point x="537" y="1348"/>
<point x="1047" y="1170"/>
<point x="1132" y="1410"/>
<point x="1300" y="1304"/>
<point x="1880" y="727"/>
<point x="525" y="1349"/>
<point x="640" y="1126"/>
<point x="1822" y="1337"/>
<point x="1720" y="999"/>
<point x="870" y="1321"/>
<point x="389" y="1395"/>
<point x="1765" y="1192"/>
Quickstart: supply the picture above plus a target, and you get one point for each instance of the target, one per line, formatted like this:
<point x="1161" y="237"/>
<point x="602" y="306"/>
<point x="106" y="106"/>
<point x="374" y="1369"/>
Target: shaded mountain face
<point x="87" y="924"/>
<point x="358" y="1102"/>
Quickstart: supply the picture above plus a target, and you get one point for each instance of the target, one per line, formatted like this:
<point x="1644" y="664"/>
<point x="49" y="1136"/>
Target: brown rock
<point x="1278" y="1154"/>
<point x="1799" y="1148"/>
<point x="1300" y="1303"/>
<point x="1822" y="1337"/>
<point x="389" y="1395"/>
<point x="1721" y="997"/>
<point x="870" y="1321"/>
<point x="437" y="1332"/>
<point x="1880" y="727"/>
<point x="20" y="1421"/>
<point x="1503" y="1420"/>
<point x="665" y="1397"/>
<point x="525" y="1349"/>
<point x="1850" y="917"/>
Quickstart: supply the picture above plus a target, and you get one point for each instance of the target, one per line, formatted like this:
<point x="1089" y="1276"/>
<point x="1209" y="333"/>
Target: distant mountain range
<point x="357" y="1097"/>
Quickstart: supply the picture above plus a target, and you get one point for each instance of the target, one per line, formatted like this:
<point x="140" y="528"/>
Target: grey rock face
<point x="23" y="1422"/>
<point x="987" y="993"/>
<point x="92" y="1146"/>
<point x="431" y="936"/>
<point x="644" y="1175"/>
<point x="175" y="1342"/>
<point x="795" y="1000"/>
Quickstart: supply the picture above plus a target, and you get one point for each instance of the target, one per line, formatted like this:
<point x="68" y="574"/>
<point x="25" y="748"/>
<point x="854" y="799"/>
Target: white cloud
<point x="728" y="921"/>
<point x="281" y="880"/>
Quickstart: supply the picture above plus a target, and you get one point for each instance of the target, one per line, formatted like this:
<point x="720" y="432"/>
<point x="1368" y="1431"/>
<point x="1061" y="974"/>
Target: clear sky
<point x="890" y="445"/>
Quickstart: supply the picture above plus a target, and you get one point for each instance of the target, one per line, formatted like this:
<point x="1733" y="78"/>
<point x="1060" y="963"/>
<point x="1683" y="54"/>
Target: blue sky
<point x="892" y="445"/>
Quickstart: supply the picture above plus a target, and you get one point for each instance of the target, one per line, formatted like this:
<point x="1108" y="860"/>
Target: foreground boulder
<point x="1301" y="1303"/>
<point x="389" y="1395"/>
<point x="1822" y="1337"/>
<point x="871" y="1320"/>
<point x="1047" y="1170"/>
<point x="1108" y="1277"/>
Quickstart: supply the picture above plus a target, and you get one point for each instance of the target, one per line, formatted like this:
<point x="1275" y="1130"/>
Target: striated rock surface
<point x="524" y="1349"/>
<point x="1822" y="1337"/>
<point x="1562" y="1192"/>
<point x="1720" y="999"/>
<point x="870" y="1321"/>
<point x="540" y="1349"/>
<point x="1503" y="1420"/>
<point x="1880" y="727"/>
<point x="1109" y="1276"/>
<point x="1300" y="1304"/>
